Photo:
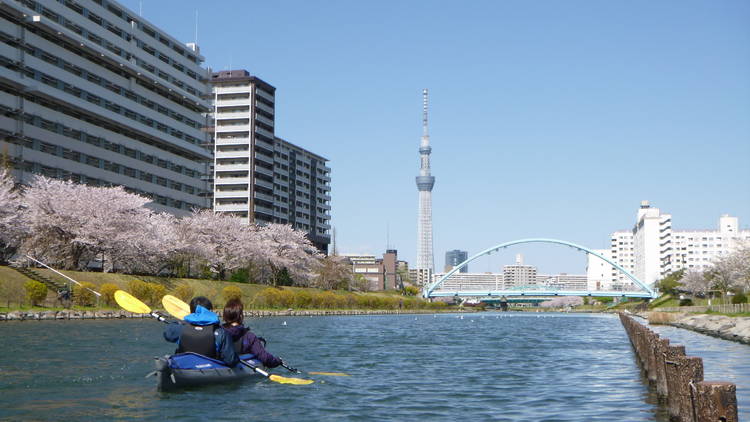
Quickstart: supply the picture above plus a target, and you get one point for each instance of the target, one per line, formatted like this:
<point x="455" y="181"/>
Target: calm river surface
<point x="490" y="366"/>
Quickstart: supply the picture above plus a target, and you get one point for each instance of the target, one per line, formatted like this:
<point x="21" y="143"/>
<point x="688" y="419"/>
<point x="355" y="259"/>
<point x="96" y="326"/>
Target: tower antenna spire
<point x="425" y="110"/>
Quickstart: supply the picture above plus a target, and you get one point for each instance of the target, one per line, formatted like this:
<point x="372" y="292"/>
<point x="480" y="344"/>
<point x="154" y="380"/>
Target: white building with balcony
<point x="94" y="93"/>
<point x="257" y="176"/>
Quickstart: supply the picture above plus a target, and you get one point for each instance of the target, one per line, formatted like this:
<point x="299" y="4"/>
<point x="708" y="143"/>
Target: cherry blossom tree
<point x="289" y="249"/>
<point x="695" y="282"/>
<point x="71" y="224"/>
<point x="11" y="225"/>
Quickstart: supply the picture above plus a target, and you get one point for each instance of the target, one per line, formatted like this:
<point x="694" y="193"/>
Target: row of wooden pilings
<point x="679" y="378"/>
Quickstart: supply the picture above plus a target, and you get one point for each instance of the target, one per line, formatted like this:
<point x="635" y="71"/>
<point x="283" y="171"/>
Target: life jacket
<point x="198" y="339"/>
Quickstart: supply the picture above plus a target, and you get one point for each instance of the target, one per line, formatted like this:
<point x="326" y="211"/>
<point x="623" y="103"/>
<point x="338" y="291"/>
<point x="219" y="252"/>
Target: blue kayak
<point x="191" y="369"/>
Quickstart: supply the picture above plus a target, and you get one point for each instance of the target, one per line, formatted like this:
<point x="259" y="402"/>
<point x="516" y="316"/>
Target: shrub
<point x="231" y="292"/>
<point x="269" y="297"/>
<point x="286" y="298"/>
<point x="324" y="300"/>
<point x="739" y="298"/>
<point x="108" y="292"/>
<point x="184" y="292"/>
<point x="686" y="302"/>
<point x="82" y="294"/>
<point x="139" y="289"/>
<point x="411" y="290"/>
<point x="302" y="299"/>
<point x="156" y="292"/>
<point x="35" y="291"/>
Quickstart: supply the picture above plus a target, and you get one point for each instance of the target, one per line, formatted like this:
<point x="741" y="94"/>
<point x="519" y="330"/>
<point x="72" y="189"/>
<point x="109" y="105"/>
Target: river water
<point x="489" y="366"/>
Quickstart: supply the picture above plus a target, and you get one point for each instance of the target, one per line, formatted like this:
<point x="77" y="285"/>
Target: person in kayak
<point x="202" y="334"/>
<point x="244" y="340"/>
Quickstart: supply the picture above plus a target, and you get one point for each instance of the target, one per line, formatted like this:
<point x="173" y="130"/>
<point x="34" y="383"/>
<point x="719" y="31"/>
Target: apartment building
<point x="653" y="249"/>
<point x="94" y="93"/>
<point x="257" y="176"/>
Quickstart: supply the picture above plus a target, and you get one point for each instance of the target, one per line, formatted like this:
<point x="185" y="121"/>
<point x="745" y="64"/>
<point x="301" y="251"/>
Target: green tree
<point x="35" y="291"/>
<point x="670" y="283"/>
<point x="241" y="275"/>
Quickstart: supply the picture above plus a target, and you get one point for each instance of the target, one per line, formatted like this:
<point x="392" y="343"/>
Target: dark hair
<point x="233" y="311"/>
<point x="200" y="300"/>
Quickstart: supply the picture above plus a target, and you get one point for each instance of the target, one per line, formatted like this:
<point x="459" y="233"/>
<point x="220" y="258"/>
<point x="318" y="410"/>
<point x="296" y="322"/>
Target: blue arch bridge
<point x="440" y="288"/>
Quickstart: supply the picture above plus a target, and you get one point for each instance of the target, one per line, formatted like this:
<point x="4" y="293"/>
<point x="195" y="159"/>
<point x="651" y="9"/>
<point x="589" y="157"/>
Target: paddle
<point x="131" y="304"/>
<point x="179" y="309"/>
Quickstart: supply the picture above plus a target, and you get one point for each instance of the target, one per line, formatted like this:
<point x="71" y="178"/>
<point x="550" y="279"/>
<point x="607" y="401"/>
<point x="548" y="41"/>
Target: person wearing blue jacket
<point x="201" y="333"/>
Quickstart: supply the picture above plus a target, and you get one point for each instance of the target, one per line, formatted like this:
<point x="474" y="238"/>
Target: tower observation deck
<point x="425" y="182"/>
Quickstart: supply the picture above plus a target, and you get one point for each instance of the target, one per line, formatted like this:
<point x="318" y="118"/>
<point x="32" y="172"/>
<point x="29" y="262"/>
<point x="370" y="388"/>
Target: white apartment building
<point x="653" y="249"/>
<point x="459" y="281"/>
<point x="519" y="274"/>
<point x="243" y="146"/>
<point x="94" y="93"/>
<point x="257" y="176"/>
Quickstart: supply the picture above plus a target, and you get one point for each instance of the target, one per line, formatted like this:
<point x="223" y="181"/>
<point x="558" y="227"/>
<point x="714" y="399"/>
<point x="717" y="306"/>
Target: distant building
<point x="653" y="249"/>
<point x="455" y="257"/>
<point x="564" y="281"/>
<point x="519" y="274"/>
<point x="380" y="273"/>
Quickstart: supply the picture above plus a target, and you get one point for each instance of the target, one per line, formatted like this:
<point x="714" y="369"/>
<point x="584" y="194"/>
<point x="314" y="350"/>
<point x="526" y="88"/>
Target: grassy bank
<point x="255" y="296"/>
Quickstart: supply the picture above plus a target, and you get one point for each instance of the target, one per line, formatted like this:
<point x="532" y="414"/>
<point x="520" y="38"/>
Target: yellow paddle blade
<point x="176" y="307"/>
<point x="130" y="303"/>
<point x="286" y="380"/>
<point x="332" y="374"/>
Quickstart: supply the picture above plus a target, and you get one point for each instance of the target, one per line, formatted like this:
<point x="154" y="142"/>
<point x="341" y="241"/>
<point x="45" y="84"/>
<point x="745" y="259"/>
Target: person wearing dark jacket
<point x="244" y="340"/>
<point x="202" y="334"/>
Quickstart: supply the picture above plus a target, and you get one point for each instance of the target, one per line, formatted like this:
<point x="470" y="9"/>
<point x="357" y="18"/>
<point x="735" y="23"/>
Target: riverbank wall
<point x="678" y="378"/>
<point x="721" y="326"/>
<point x="118" y="314"/>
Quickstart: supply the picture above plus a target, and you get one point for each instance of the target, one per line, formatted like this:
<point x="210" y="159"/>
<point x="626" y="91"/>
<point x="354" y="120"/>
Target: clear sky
<point x="547" y="118"/>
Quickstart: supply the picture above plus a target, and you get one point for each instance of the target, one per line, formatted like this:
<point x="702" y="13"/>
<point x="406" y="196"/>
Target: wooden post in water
<point x="715" y="401"/>
<point x="686" y="371"/>
<point x="661" y="375"/>
<point x="651" y="338"/>
<point x="670" y="370"/>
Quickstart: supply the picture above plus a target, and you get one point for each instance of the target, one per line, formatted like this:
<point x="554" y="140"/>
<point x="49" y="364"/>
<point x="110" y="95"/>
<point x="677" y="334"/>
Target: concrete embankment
<point x="725" y="327"/>
<point x="114" y="314"/>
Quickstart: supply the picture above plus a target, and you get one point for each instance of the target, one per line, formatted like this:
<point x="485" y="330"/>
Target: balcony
<point x="264" y="158"/>
<point x="264" y="119"/>
<point x="230" y="207"/>
<point x="261" y="93"/>
<point x="231" y="194"/>
<point x="263" y="196"/>
<point x="263" y="132"/>
<point x="232" y="141"/>
<point x="263" y="183"/>
<point x="261" y="208"/>
<point x="231" y="180"/>
<point x="236" y="102"/>
<point x="233" y="128"/>
<point x="232" y="115"/>
<point x="232" y="167"/>
<point x="231" y="89"/>
<point x="232" y="154"/>
<point x="260" y="105"/>
<point x="263" y="170"/>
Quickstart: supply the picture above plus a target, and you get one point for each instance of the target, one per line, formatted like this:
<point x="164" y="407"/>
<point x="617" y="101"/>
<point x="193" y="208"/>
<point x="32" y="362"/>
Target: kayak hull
<point x="174" y="372"/>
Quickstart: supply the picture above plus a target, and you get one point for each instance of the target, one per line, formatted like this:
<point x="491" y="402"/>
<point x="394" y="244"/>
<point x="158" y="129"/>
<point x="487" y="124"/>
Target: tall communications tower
<point x="425" y="182"/>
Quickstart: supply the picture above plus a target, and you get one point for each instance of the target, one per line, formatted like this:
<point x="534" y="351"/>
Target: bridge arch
<point x="428" y="291"/>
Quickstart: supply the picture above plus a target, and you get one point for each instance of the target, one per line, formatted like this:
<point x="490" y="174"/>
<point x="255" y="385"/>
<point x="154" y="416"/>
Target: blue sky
<point x="548" y="118"/>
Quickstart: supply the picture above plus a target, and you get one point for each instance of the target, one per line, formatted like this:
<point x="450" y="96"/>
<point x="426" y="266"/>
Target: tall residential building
<point x="302" y="192"/>
<point x="257" y="176"/>
<point x="425" y="182"/>
<point x="94" y="93"/>
<point x="653" y="249"/>
<point x="243" y="145"/>
<point x="455" y="257"/>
